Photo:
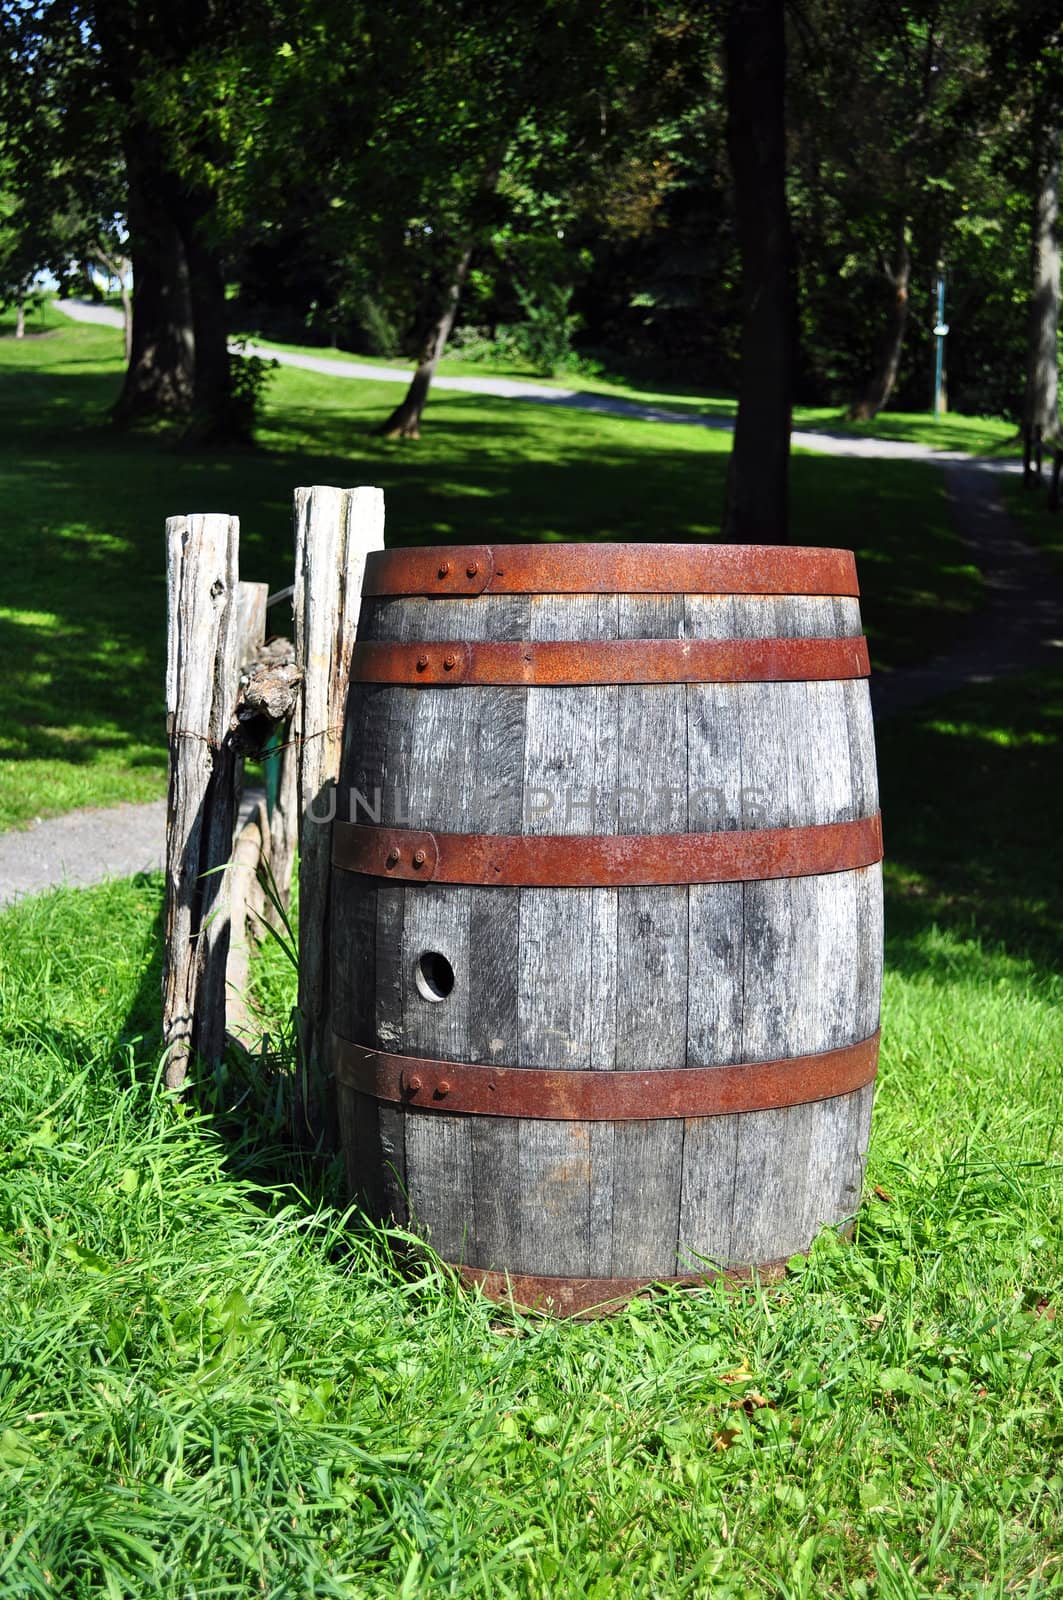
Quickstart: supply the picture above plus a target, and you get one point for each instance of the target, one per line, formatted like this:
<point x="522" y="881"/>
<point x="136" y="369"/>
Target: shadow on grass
<point x="84" y="595"/>
<point x="249" y="1101"/>
<point x="970" y="797"/>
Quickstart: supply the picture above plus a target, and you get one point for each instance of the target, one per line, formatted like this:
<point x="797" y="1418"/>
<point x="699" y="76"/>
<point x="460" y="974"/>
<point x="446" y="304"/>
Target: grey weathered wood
<point x="246" y="911"/>
<point x="567" y="954"/>
<point x="652" y="965"/>
<point x="250" y="617"/>
<point x="606" y="979"/>
<point x="201" y="687"/>
<point x="284" y="824"/>
<point x="250" y="846"/>
<point x="716" y="977"/>
<point x="334" y="531"/>
<point x="795" y="753"/>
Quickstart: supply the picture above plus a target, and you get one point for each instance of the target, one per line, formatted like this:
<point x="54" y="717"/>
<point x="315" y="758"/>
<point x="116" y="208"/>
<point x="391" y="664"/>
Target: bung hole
<point x="434" y="975"/>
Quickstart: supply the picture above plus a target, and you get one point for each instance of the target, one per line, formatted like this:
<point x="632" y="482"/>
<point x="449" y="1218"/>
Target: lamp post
<point x="941" y="329"/>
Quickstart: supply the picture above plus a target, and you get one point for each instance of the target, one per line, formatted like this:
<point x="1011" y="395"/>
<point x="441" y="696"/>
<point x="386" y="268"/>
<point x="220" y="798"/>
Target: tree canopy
<point x="550" y="185"/>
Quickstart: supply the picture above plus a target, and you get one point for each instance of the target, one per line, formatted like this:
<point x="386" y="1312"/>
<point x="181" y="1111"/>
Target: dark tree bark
<point x="757" y="503"/>
<point x="405" y="421"/>
<point x="1040" y="416"/>
<point x="214" y="415"/>
<point x="179" y="365"/>
<point x="160" y="376"/>
<point x="884" y="377"/>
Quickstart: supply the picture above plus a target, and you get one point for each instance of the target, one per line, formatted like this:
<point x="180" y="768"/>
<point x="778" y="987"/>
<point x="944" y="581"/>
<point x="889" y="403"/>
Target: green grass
<point x="976" y="435"/>
<point x="81" y="540"/>
<point x="212" y="1386"/>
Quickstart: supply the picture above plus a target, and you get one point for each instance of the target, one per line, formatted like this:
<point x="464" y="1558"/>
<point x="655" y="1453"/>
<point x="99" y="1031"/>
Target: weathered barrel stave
<point x="611" y="979"/>
<point x="621" y="1213"/>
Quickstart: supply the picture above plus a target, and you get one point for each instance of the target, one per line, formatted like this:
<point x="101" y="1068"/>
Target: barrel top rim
<point x="578" y="546"/>
<point x="611" y="567"/>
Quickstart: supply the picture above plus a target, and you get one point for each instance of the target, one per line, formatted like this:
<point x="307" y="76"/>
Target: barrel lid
<point x="602" y="568"/>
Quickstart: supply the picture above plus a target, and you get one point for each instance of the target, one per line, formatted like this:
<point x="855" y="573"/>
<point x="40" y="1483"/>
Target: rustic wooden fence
<point x="232" y="692"/>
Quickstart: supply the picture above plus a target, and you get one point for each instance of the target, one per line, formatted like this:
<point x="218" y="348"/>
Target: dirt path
<point x="1019" y="627"/>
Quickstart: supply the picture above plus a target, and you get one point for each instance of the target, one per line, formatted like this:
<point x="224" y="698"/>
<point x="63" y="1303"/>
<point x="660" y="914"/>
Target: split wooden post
<point x="284" y="823"/>
<point x="250" y="847"/>
<point x="247" y="911"/>
<point x="202" y="683"/>
<point x="335" y="529"/>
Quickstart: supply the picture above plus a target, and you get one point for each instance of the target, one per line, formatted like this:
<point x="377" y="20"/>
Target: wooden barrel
<point x="607" y="915"/>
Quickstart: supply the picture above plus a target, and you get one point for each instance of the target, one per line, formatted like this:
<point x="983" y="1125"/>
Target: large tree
<point x="150" y="54"/>
<point x="139" y="88"/>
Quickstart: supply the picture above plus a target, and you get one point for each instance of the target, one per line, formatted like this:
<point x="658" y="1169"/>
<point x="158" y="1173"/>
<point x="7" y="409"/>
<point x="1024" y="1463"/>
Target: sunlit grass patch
<point x="214" y="1385"/>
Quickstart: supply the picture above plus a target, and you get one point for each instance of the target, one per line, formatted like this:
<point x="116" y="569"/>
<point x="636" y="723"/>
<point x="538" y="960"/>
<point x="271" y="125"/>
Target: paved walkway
<point x="90" y="846"/>
<point x="82" y="848"/>
<point x="825" y="440"/>
<point x="1019" y="627"/>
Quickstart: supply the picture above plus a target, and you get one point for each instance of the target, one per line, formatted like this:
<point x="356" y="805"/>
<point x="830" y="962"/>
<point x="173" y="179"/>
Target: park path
<point x="825" y="440"/>
<point x="1019" y="627"/>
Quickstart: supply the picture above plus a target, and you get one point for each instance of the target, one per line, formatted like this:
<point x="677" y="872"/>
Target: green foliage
<point x="60" y="170"/>
<point x="540" y="344"/>
<point x="338" y="165"/>
<point x="249" y="381"/>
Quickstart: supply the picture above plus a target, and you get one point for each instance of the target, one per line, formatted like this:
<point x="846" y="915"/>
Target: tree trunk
<point x="756" y="509"/>
<point x="884" y="377"/>
<point x="160" y="377"/>
<point x="20" y="320"/>
<point x="405" y="421"/>
<point x="214" y="415"/>
<point x="1040" y="420"/>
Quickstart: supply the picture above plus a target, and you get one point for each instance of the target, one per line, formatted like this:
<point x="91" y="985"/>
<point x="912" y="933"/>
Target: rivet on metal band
<point x="606" y="860"/>
<point x="560" y="1096"/>
<point x="604" y="568"/>
<point x="621" y="661"/>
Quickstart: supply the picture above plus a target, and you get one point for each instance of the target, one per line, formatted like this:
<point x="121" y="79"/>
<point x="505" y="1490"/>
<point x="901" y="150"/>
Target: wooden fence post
<point x="202" y="683"/>
<point x="246" y="901"/>
<point x="335" y="529"/>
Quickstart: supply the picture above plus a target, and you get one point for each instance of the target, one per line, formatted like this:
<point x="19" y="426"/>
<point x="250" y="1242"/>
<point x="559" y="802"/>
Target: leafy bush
<point x="250" y="377"/>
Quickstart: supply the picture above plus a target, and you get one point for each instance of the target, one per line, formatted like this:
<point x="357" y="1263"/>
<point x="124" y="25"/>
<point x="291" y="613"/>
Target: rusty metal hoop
<point x="603" y="568"/>
<point x="421" y="1084"/>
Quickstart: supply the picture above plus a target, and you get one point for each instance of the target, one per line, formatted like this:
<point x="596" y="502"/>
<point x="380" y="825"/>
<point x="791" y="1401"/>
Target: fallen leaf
<point x="1043" y="1309"/>
<point x="738" y="1375"/>
<point x="882" y="1194"/>
<point x="725" y="1438"/>
<point x="753" y="1401"/>
<point x="875" y="1322"/>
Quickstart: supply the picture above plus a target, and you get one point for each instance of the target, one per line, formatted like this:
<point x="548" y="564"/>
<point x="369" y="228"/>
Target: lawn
<point x="211" y="1384"/>
<point x="976" y="435"/>
<point x="82" y="599"/>
<point x="215" y="1382"/>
